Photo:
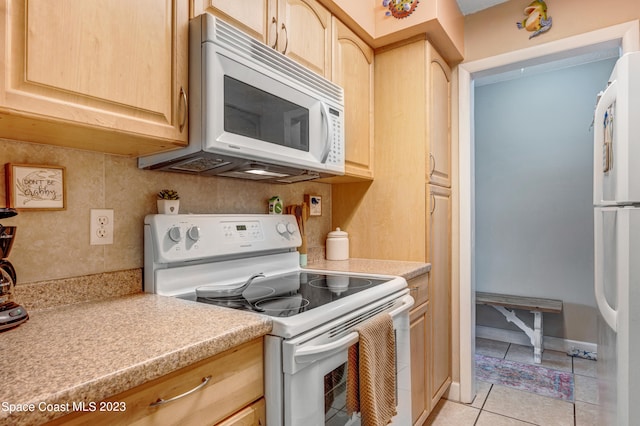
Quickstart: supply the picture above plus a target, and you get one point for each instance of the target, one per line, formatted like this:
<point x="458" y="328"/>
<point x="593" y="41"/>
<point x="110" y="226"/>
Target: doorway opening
<point x="624" y="37"/>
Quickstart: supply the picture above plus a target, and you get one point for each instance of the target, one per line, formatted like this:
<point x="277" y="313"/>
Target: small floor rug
<point x="527" y="377"/>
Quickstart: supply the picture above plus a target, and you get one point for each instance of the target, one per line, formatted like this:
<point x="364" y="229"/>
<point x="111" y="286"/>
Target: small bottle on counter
<point x="275" y="205"/>
<point x="337" y="245"/>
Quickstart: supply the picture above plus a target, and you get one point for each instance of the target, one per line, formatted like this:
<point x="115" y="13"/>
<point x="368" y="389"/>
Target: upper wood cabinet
<point x="301" y="29"/>
<point x="353" y="70"/>
<point x="304" y="34"/>
<point x="106" y="76"/>
<point x="251" y="16"/>
<point x="438" y="119"/>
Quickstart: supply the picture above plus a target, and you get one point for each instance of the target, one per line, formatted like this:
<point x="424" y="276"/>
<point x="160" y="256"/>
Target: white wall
<point x="534" y="219"/>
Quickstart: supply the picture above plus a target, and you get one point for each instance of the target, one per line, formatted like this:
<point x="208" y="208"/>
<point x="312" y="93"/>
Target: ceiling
<point x="468" y="7"/>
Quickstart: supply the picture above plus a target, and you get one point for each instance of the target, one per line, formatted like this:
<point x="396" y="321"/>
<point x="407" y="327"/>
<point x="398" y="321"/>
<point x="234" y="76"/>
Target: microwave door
<point x="251" y="114"/>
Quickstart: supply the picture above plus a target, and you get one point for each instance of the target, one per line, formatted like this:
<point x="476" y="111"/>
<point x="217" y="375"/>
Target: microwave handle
<point x="311" y="353"/>
<point x="324" y="111"/>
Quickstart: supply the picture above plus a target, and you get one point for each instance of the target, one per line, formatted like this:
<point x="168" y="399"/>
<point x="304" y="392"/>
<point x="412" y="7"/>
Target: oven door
<point x="315" y="366"/>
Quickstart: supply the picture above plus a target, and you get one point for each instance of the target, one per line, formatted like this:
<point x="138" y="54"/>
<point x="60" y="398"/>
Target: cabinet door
<point x="250" y="16"/>
<point x="353" y="70"/>
<point x="439" y="255"/>
<point x="304" y="34"/>
<point x="119" y="66"/>
<point x="420" y="335"/>
<point x="235" y="381"/>
<point x="439" y="119"/>
<point x="253" y="415"/>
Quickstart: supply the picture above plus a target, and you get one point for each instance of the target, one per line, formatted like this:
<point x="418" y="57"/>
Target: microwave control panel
<point x="336" y="153"/>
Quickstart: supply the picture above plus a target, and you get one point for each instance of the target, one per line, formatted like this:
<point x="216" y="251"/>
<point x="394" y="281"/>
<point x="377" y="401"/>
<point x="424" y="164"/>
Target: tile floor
<point x="496" y="405"/>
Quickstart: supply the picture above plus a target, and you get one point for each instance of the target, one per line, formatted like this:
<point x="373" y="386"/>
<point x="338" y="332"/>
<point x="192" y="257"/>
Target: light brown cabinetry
<point x="253" y="415"/>
<point x="234" y="384"/>
<point x="301" y="29"/>
<point x="394" y="216"/>
<point x="420" y="335"/>
<point x="439" y="120"/>
<point x="104" y="76"/>
<point x="439" y="255"/>
<point x="251" y="16"/>
<point x="353" y="70"/>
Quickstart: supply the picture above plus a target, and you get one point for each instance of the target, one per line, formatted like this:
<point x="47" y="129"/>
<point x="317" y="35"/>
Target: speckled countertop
<point x="404" y="269"/>
<point x="92" y="350"/>
<point x="75" y="348"/>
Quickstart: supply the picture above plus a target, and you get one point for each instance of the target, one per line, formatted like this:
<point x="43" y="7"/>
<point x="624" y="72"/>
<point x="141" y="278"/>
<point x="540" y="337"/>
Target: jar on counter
<point x="337" y="245"/>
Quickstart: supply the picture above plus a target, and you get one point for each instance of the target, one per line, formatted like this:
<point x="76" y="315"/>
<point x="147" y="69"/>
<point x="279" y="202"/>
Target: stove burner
<point x="301" y="277"/>
<point x="338" y="281"/>
<point x="208" y="294"/>
<point x="285" y="306"/>
<point x="253" y="292"/>
<point x="338" y="284"/>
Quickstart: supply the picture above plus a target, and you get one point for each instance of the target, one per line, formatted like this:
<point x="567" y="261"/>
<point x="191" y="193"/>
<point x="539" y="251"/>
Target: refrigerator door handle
<point x="606" y="100"/>
<point x="609" y="314"/>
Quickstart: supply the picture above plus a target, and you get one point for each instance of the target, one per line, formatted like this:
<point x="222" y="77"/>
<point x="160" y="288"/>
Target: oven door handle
<point x="312" y="353"/>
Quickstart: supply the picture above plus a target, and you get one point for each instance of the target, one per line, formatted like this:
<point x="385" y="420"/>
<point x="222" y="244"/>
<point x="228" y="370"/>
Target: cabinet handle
<point x="432" y="161"/>
<point x="185" y="109"/>
<point x="275" y="43"/>
<point x="433" y="204"/>
<point x="286" y="39"/>
<point x="161" y="401"/>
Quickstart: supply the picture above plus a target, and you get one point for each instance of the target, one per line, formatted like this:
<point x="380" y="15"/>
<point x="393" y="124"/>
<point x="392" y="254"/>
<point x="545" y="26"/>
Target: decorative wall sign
<point x="400" y="8"/>
<point x="35" y="187"/>
<point x="536" y="20"/>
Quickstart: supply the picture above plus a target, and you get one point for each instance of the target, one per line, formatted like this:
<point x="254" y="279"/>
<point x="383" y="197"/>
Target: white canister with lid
<point x="337" y="245"/>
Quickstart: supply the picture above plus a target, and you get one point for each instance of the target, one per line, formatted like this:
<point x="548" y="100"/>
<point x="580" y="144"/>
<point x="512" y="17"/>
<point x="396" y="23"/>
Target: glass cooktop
<point x="289" y="294"/>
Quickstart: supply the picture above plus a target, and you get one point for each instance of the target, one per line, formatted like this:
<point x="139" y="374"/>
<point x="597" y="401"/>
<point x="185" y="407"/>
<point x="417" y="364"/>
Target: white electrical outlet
<point x="101" y="229"/>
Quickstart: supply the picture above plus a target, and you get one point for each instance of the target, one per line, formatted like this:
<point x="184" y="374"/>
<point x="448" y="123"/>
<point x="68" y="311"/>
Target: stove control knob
<point x="291" y="228"/>
<point x="175" y="233"/>
<point x="194" y="233"/>
<point x="281" y="228"/>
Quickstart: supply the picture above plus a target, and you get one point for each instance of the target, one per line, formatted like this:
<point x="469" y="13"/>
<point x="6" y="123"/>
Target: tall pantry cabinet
<point x="405" y="212"/>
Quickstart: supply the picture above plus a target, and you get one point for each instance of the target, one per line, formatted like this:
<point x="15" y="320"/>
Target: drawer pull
<point x="161" y="401"/>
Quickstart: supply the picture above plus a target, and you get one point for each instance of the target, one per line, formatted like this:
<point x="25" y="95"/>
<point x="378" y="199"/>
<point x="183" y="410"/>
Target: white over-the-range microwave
<point x="254" y="113"/>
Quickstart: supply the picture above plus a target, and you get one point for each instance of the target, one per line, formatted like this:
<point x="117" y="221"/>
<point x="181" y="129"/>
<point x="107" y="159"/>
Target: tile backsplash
<point x="54" y="245"/>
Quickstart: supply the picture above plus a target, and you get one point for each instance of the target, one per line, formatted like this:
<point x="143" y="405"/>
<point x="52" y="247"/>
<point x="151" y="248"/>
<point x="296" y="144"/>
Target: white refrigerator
<point x="616" y="197"/>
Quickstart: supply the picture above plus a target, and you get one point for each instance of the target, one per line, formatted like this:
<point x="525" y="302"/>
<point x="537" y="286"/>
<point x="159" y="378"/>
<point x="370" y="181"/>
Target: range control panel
<point x="179" y="238"/>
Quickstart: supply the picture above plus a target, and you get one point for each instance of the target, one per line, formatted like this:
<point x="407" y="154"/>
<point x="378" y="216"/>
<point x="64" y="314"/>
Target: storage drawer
<point x="419" y="287"/>
<point x="236" y="380"/>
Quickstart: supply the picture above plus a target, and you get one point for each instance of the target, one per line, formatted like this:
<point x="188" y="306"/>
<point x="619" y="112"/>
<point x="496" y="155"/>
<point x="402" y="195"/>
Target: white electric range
<point x="249" y="262"/>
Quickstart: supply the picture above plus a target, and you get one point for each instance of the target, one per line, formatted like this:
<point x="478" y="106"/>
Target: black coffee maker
<point x="11" y="314"/>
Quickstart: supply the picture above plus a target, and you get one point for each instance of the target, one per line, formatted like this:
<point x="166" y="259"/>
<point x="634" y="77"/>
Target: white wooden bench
<point x="533" y="304"/>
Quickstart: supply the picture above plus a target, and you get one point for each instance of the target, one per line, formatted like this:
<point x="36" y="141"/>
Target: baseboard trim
<point x="453" y="394"/>
<point x="519" y="338"/>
